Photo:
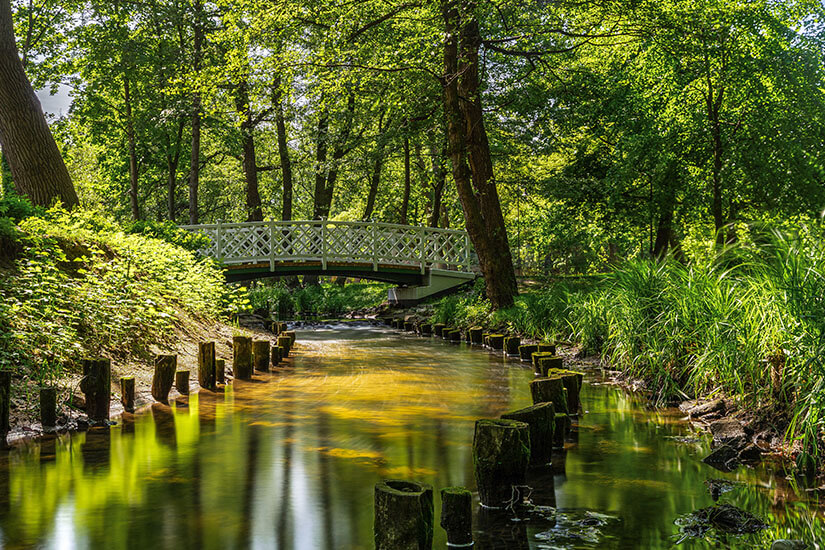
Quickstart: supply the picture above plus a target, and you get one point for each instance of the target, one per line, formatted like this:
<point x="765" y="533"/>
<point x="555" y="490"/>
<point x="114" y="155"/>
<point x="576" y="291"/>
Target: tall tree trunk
<point x="133" y="164"/>
<point x="323" y="201"/>
<point x="27" y="142"/>
<point x="250" y="166"/>
<point x="321" y="147"/>
<point x="439" y="181"/>
<point x="172" y="162"/>
<point x="283" y="152"/>
<point x="377" y="166"/>
<point x="470" y="153"/>
<point x="195" y="151"/>
<point x="405" y="200"/>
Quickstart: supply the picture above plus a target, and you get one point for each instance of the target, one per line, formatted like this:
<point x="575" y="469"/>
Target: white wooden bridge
<point x="424" y="260"/>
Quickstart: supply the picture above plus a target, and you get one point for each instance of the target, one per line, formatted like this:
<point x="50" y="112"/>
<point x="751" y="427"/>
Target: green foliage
<point x="324" y="299"/>
<point x="83" y="287"/>
<point x="16" y="208"/>
<point x="169" y="232"/>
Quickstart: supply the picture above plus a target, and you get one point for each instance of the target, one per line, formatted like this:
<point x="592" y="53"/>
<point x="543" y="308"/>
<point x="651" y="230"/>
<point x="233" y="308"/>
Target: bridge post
<point x="324" y="243"/>
<point x="467" y="251"/>
<point x="374" y="245"/>
<point x="422" y="251"/>
<point x="218" y="242"/>
<point x="272" y="246"/>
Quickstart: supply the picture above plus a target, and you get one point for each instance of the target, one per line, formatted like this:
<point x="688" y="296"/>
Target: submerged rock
<point x="718" y="487"/>
<point x="785" y="544"/>
<point x="730" y="432"/>
<point x="715" y="406"/>
<point x="724" y="458"/>
<point x="723" y="518"/>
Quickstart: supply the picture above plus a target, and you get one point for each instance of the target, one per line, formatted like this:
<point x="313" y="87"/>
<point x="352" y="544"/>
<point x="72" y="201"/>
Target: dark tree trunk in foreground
<point x="27" y="142"/>
<point x="195" y="153"/>
<point x="470" y="153"/>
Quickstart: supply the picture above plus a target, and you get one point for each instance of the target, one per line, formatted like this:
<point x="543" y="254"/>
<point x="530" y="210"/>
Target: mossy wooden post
<point x="5" y="405"/>
<point x="220" y="371"/>
<point x="206" y="365"/>
<point x="275" y="356"/>
<point x="438" y="328"/>
<point x="182" y="381"/>
<point x="457" y="516"/>
<point x="561" y="430"/>
<point x="260" y="355"/>
<point x="475" y="335"/>
<point x="127" y="393"/>
<point x="573" y="384"/>
<point x="426" y="329"/>
<point x="165" y="367"/>
<point x="454" y="335"/>
<point x="485" y="339"/>
<point x="409" y="326"/>
<point x="242" y="357"/>
<point x="282" y="352"/>
<point x="403" y="515"/>
<point x="511" y="344"/>
<point x="48" y="406"/>
<point x="537" y="357"/>
<point x="496" y="341"/>
<point x="501" y="454"/>
<point x="541" y="419"/>
<point x="548" y="363"/>
<point x="526" y="352"/>
<point x="282" y="328"/>
<point x="285" y="342"/>
<point x="96" y="384"/>
<point x="548" y="348"/>
<point x="292" y="337"/>
<point x="549" y="390"/>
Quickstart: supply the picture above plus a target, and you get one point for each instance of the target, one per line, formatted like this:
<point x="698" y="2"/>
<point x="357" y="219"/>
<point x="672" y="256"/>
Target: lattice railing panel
<point x="328" y="241"/>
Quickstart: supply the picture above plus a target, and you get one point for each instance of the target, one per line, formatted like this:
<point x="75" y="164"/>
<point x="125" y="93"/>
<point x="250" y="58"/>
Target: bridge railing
<point x="335" y="241"/>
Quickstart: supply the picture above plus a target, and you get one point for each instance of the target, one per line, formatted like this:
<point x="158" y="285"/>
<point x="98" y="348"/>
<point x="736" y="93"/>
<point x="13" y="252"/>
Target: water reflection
<point x="288" y="461"/>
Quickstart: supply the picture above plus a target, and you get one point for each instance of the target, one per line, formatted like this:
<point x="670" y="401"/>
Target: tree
<point x="27" y="142"/>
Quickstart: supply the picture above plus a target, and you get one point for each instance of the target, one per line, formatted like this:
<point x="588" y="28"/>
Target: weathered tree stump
<point x="96" y="384"/>
<point x="403" y="515"/>
<point x="260" y="355"/>
<point x="127" y="393"/>
<point x="5" y="405"/>
<point x="206" y="365"/>
<point x="501" y="454"/>
<point x="537" y="357"/>
<point x="242" y="357"/>
<point x="220" y="371"/>
<point x="496" y="341"/>
<point x="549" y="390"/>
<point x="561" y="430"/>
<point x="457" y="516"/>
<point x="438" y="328"/>
<point x="526" y="352"/>
<point x="48" y="406"/>
<point x="541" y="419"/>
<point x="475" y="335"/>
<point x="165" y="366"/>
<point x="286" y="343"/>
<point x="548" y="363"/>
<point x="182" y="381"/>
<point x="548" y="348"/>
<point x="511" y="345"/>
<point x="426" y="329"/>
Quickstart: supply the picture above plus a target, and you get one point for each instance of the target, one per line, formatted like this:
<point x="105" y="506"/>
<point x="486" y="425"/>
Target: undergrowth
<point x="322" y="299"/>
<point x="80" y="286"/>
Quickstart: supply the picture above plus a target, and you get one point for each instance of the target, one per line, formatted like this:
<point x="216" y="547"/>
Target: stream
<point x="289" y="460"/>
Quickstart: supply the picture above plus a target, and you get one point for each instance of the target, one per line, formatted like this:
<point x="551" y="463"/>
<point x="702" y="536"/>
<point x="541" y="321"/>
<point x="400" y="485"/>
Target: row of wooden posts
<point x="503" y="448"/>
<point x="248" y="356"/>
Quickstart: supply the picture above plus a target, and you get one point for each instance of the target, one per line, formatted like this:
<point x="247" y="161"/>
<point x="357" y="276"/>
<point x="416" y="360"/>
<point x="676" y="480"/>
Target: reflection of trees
<point x="286" y="479"/>
<point x="326" y="490"/>
<point x="247" y="505"/>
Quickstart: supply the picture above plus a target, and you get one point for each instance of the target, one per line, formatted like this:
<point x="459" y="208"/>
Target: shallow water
<point x="289" y="462"/>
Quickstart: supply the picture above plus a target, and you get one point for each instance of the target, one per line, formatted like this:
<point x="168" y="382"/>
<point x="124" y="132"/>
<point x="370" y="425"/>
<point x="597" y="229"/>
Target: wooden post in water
<point x="5" y="405"/>
<point x="549" y="363"/>
<point x="127" y="393"/>
<point x="475" y="335"/>
<point x="501" y="454"/>
<point x="426" y="329"/>
<point x="291" y="334"/>
<point x="282" y="352"/>
<point x="541" y="419"/>
<point x="48" y="406"/>
<point x="165" y="366"/>
<point x="95" y="384"/>
<point x="457" y="516"/>
<point x="526" y="352"/>
<point x="561" y="430"/>
<point x="285" y="342"/>
<point x="549" y="390"/>
<point x="242" y="357"/>
<point x="437" y="328"/>
<point x="403" y="515"/>
<point x="275" y="356"/>
<point x="548" y="348"/>
<point x="206" y="365"/>
<point x="260" y="355"/>
<point x="182" y="381"/>
<point x="537" y="357"/>
<point x="220" y="371"/>
<point x="496" y="341"/>
<point x="511" y="344"/>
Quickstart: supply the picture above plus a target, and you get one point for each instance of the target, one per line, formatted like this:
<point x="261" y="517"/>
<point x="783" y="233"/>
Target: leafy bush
<point x="18" y="208"/>
<point x="169" y="232"/>
<point x="324" y="299"/>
